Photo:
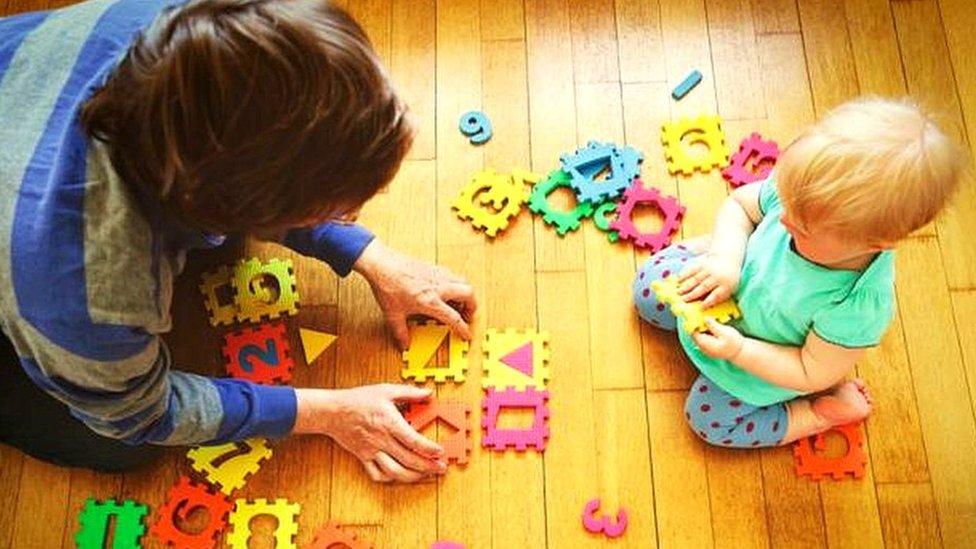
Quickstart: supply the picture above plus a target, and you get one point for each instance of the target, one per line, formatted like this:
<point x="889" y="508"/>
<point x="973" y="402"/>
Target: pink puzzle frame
<point x="521" y="439"/>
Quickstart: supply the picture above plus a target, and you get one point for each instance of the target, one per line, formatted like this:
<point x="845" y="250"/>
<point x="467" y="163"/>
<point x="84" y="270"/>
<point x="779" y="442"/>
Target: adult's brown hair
<point x="244" y="115"/>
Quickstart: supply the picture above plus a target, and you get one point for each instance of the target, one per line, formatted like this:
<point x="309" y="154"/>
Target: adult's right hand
<point x="367" y="423"/>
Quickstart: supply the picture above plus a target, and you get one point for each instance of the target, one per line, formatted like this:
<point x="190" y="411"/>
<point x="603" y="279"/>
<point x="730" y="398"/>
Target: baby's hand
<point x="720" y="341"/>
<point x="711" y="276"/>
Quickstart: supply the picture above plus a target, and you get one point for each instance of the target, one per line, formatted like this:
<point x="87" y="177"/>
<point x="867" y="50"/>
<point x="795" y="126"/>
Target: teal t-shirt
<point x="783" y="297"/>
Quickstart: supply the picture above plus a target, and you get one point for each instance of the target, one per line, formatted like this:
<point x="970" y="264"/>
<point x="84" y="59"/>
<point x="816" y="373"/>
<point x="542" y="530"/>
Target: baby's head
<point x="864" y="177"/>
<point x="252" y="115"/>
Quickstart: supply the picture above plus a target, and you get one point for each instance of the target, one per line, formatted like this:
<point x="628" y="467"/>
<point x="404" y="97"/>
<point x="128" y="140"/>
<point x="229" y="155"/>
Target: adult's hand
<point x="366" y="422"/>
<point x="404" y="286"/>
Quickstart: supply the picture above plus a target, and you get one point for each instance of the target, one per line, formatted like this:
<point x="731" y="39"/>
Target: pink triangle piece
<point x="520" y="359"/>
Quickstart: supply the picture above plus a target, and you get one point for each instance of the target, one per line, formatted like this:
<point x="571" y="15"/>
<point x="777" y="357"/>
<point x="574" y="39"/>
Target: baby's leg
<point x="720" y="419"/>
<point x="846" y="403"/>
<point x="667" y="262"/>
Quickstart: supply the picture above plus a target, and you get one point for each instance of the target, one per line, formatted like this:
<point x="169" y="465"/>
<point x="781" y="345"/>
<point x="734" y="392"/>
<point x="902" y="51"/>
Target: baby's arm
<point x="716" y="274"/>
<point x="816" y="366"/>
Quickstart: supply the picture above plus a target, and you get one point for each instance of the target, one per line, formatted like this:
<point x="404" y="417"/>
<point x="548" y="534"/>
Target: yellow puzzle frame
<point x="425" y="339"/>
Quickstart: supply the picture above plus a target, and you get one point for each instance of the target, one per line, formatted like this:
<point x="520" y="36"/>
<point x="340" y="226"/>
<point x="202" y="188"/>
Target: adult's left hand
<point x="404" y="286"/>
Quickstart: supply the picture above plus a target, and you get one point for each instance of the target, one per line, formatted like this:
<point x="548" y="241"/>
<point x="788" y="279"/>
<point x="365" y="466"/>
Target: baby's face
<point x="824" y="247"/>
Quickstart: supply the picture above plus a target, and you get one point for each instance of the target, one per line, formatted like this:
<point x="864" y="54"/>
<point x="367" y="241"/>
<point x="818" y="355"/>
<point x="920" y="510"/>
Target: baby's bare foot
<point x="848" y="403"/>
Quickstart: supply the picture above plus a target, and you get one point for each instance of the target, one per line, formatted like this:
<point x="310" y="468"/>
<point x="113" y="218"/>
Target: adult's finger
<point x="374" y="473"/>
<point x="411" y="459"/>
<point x="401" y="333"/>
<point x="408" y="393"/>
<point x="396" y="471"/>
<point x="414" y="441"/>
<point x="461" y="293"/>
<point x="445" y="314"/>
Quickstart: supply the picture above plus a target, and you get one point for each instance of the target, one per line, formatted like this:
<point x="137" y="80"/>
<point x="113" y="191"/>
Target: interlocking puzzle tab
<point x="315" y="343"/>
<point x="245" y="510"/>
<point x="564" y="221"/>
<point x="603" y="525"/>
<point x="516" y="359"/>
<point x="260" y="354"/>
<point x="218" y="296"/>
<point x="264" y="290"/>
<point x="425" y="339"/>
<point x="185" y="497"/>
<point x="622" y="165"/>
<point x="691" y="313"/>
<point x="332" y="536"/>
<point x="476" y="126"/>
<point x="811" y="462"/>
<point x="228" y="466"/>
<point x="491" y="200"/>
<point x="456" y="415"/>
<point x="95" y="518"/>
<point x="678" y="138"/>
<point x="670" y="209"/>
<point x="498" y="439"/>
<point x="753" y="162"/>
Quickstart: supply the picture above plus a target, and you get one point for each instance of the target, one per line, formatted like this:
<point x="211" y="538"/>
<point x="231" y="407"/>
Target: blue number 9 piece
<point x="476" y="126"/>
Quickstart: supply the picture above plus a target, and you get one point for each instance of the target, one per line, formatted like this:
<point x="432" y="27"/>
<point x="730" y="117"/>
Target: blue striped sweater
<point x="85" y="280"/>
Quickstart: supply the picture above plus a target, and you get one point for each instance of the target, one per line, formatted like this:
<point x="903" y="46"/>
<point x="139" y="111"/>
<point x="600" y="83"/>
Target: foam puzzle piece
<point x="260" y="354"/>
<point x="184" y="498"/>
<point x="315" y="343"/>
<point x="476" y="126"/>
<point x="425" y="338"/>
<point x="563" y="221"/>
<point x="457" y="444"/>
<point x="94" y="519"/>
<point x="498" y="197"/>
<point x="499" y="440"/>
<point x="245" y="510"/>
<point x="505" y="354"/>
<point x="228" y="466"/>
<point x="622" y="163"/>
<point x="332" y="536"/>
<point x="603" y="524"/>
<point x="446" y="545"/>
<point x="254" y="301"/>
<point x="211" y="284"/>
<point x="753" y="161"/>
<point x="691" y="313"/>
<point x="602" y="217"/>
<point x="671" y="210"/>
<point x="678" y="136"/>
<point x="686" y="85"/>
<point x="809" y="461"/>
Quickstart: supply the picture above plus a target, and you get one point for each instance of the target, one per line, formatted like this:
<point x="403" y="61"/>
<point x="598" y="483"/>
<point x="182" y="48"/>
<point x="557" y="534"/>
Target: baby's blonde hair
<point x="873" y="170"/>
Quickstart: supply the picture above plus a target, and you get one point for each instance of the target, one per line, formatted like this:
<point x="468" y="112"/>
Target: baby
<point x="808" y="256"/>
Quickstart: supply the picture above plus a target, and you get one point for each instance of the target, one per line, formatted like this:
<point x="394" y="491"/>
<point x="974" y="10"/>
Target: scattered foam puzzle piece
<point x="691" y="314"/>
<point x="670" y="209"/>
<point x="446" y="545"/>
<point x="686" y="85"/>
<point x="315" y="343"/>
<point x="254" y="300"/>
<point x="425" y="339"/>
<point x="499" y="440"/>
<point x="563" y="221"/>
<point x="185" y="497"/>
<point x="245" y="510"/>
<point x="228" y="466"/>
<point x="811" y="463"/>
<point x="260" y="354"/>
<point x="212" y="282"/>
<point x="498" y="197"/>
<point x="621" y="163"/>
<point x="753" y="162"/>
<point x="603" y="524"/>
<point x="476" y="126"/>
<point x="679" y="136"/>
<point x="332" y="536"/>
<point x="604" y="215"/>
<point x="457" y="444"/>
<point x="515" y="359"/>
<point x="94" y="520"/>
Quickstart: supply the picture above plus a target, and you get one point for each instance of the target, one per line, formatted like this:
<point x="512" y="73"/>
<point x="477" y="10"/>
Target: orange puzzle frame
<point x="809" y="462"/>
<point x="457" y="446"/>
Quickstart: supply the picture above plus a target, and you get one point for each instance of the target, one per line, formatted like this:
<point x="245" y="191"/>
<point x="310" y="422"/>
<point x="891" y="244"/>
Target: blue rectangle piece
<point x="687" y="84"/>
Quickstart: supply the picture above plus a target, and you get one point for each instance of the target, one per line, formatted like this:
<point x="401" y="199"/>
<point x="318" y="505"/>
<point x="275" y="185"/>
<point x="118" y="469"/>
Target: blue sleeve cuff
<point x="252" y="410"/>
<point x="338" y="244"/>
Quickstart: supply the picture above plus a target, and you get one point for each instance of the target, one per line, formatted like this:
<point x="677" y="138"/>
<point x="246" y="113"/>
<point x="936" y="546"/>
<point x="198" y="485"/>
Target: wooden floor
<point x="551" y="75"/>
